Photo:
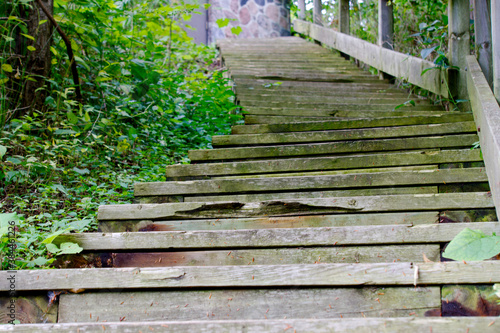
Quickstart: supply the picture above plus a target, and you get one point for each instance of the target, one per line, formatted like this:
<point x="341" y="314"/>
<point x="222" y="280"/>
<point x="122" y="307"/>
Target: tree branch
<point x="69" y="50"/>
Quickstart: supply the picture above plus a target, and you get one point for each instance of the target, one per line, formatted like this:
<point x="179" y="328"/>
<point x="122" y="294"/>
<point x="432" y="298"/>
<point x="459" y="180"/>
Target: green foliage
<point x="472" y="245"/>
<point x="150" y="95"/>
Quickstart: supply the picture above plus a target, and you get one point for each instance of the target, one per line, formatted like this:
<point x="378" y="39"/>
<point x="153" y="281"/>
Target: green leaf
<point x="52" y="248"/>
<point x="236" y="30"/>
<point x="29" y="37"/>
<point x="31" y="48"/>
<point x="53" y="236"/>
<point x="221" y="23"/>
<point x="3" y="151"/>
<point x="472" y="245"/>
<point x="5" y="222"/>
<point x="72" y="118"/>
<point x="427" y="52"/>
<point x="7" y="68"/>
<point x="70" y="248"/>
<point x="81" y="171"/>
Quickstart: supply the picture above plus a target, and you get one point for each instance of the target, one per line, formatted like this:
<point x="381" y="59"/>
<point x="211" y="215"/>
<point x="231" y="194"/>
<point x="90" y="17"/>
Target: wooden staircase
<point x="326" y="212"/>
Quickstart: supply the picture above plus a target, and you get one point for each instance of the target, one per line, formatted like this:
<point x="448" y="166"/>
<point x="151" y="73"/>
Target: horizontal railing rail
<point x="487" y="117"/>
<point x="399" y="65"/>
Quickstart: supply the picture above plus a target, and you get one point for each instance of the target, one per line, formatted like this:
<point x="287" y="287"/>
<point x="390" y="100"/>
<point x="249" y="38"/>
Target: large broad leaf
<point x="472" y="245"/>
<point x="3" y="151"/>
<point x="53" y="236"/>
<point x="70" y="248"/>
<point x="427" y="52"/>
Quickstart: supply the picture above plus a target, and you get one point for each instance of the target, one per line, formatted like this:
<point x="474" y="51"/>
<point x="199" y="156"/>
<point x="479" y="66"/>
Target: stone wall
<point x="257" y="18"/>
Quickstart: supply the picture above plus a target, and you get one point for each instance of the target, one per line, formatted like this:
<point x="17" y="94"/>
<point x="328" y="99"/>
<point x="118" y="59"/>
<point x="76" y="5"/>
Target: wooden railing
<point x="477" y="81"/>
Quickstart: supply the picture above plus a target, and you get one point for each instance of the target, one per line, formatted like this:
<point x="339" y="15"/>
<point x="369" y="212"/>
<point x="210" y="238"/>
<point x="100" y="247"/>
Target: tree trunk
<point x="38" y="61"/>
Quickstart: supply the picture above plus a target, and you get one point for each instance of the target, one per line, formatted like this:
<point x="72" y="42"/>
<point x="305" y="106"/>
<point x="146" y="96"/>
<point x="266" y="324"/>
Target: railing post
<point x="458" y="46"/>
<point x="302" y="9"/>
<point x="385" y="29"/>
<point x="344" y="20"/>
<point x="385" y="24"/>
<point x="317" y="16"/>
<point x="482" y="30"/>
<point x="495" y="35"/>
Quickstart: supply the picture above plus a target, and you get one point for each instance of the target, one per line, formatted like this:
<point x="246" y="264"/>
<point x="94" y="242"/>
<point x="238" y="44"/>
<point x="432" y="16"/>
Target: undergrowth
<point x="149" y="96"/>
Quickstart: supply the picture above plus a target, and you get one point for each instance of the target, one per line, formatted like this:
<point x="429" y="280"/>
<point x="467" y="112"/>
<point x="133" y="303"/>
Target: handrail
<point x="394" y="63"/>
<point x="487" y="116"/>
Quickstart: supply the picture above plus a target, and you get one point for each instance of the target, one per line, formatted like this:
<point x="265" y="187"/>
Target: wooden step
<point x="357" y="180"/>
<point x="344" y="124"/>
<point x="294" y="195"/>
<point x="237" y="257"/>
<point x="278" y="238"/>
<point x="346" y="134"/>
<point x="318" y="164"/>
<point x="297" y="207"/>
<point x="254" y="100"/>
<point x="211" y="305"/>
<point x="255" y="276"/>
<point x="316" y="221"/>
<point x="336" y="147"/>
<point x="344" y="324"/>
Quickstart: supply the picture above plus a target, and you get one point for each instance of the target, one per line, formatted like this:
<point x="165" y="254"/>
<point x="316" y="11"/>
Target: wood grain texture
<point x="315" y="221"/>
<point x="487" y="115"/>
<point x="347" y="325"/>
<point x="377" y="274"/>
<point x="358" y="180"/>
<point x="262" y="238"/>
<point x="344" y="135"/>
<point x="309" y="194"/>
<point x="318" y="164"/>
<point x="296" y="207"/>
<point x="250" y="304"/>
<point x="281" y="256"/>
<point x="340" y="147"/>
<point x="343" y="124"/>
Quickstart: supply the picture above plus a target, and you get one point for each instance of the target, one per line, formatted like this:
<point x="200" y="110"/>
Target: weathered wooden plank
<point x="333" y="108"/>
<point x="276" y="92"/>
<point x="359" y="180"/>
<point x="314" y="221"/>
<point x="314" y="194"/>
<point x="347" y="134"/>
<point x="458" y="45"/>
<point x="262" y="115"/>
<point x="252" y="100"/>
<point x="27" y="310"/>
<point x="283" y="256"/>
<point x="347" y="325"/>
<point x="306" y="77"/>
<point x="294" y="207"/>
<point x="251" y="120"/>
<point x="482" y="36"/>
<point x="495" y="36"/>
<point x="343" y="124"/>
<point x="284" y="237"/>
<point x="391" y="62"/>
<point x="320" y="66"/>
<point x="250" y="304"/>
<point x="262" y="83"/>
<point x="337" y="172"/>
<point x="487" y="116"/>
<point x="331" y="148"/>
<point x="343" y="104"/>
<point x="386" y="274"/>
<point x="321" y="163"/>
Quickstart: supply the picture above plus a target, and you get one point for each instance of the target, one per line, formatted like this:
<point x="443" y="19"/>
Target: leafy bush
<point x="149" y="95"/>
